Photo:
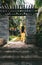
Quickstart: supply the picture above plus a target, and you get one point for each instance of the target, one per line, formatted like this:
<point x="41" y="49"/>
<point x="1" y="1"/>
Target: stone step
<point x="20" y="53"/>
<point x="20" y="58"/>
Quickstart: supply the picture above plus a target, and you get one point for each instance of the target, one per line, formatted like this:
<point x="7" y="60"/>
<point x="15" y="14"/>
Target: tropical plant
<point x="38" y="3"/>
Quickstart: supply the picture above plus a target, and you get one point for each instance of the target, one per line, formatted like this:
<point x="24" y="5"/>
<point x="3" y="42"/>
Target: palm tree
<point x="9" y="3"/>
<point x="38" y="3"/>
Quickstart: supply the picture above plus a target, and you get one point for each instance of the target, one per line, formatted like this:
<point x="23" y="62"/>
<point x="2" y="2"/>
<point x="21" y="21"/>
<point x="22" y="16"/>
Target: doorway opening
<point x="17" y="27"/>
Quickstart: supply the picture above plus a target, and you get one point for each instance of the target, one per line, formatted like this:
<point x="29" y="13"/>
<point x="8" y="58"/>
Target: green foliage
<point x="39" y="39"/>
<point x="11" y="37"/>
<point x="8" y="2"/>
<point x="38" y="3"/>
<point x="12" y="24"/>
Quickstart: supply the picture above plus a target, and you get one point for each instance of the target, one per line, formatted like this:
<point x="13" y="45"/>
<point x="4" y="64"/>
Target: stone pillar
<point x="4" y="27"/>
<point x="30" y="28"/>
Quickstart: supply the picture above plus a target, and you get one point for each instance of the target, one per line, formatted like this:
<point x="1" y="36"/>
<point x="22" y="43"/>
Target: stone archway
<point x="30" y="14"/>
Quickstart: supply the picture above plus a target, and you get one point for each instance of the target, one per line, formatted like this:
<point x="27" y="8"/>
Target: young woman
<point x="23" y="33"/>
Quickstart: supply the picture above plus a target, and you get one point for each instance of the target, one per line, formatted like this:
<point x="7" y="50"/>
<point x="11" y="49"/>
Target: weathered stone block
<point x="2" y="41"/>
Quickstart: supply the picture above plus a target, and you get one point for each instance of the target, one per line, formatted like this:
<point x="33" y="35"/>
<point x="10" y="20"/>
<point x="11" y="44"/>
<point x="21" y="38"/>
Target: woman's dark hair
<point x="22" y="29"/>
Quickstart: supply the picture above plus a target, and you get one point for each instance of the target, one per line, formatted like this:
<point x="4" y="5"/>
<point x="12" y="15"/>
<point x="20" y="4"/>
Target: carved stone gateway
<point x="30" y="21"/>
<point x="30" y="28"/>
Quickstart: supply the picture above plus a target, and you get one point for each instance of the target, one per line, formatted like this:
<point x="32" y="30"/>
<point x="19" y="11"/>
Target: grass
<point x="11" y="37"/>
